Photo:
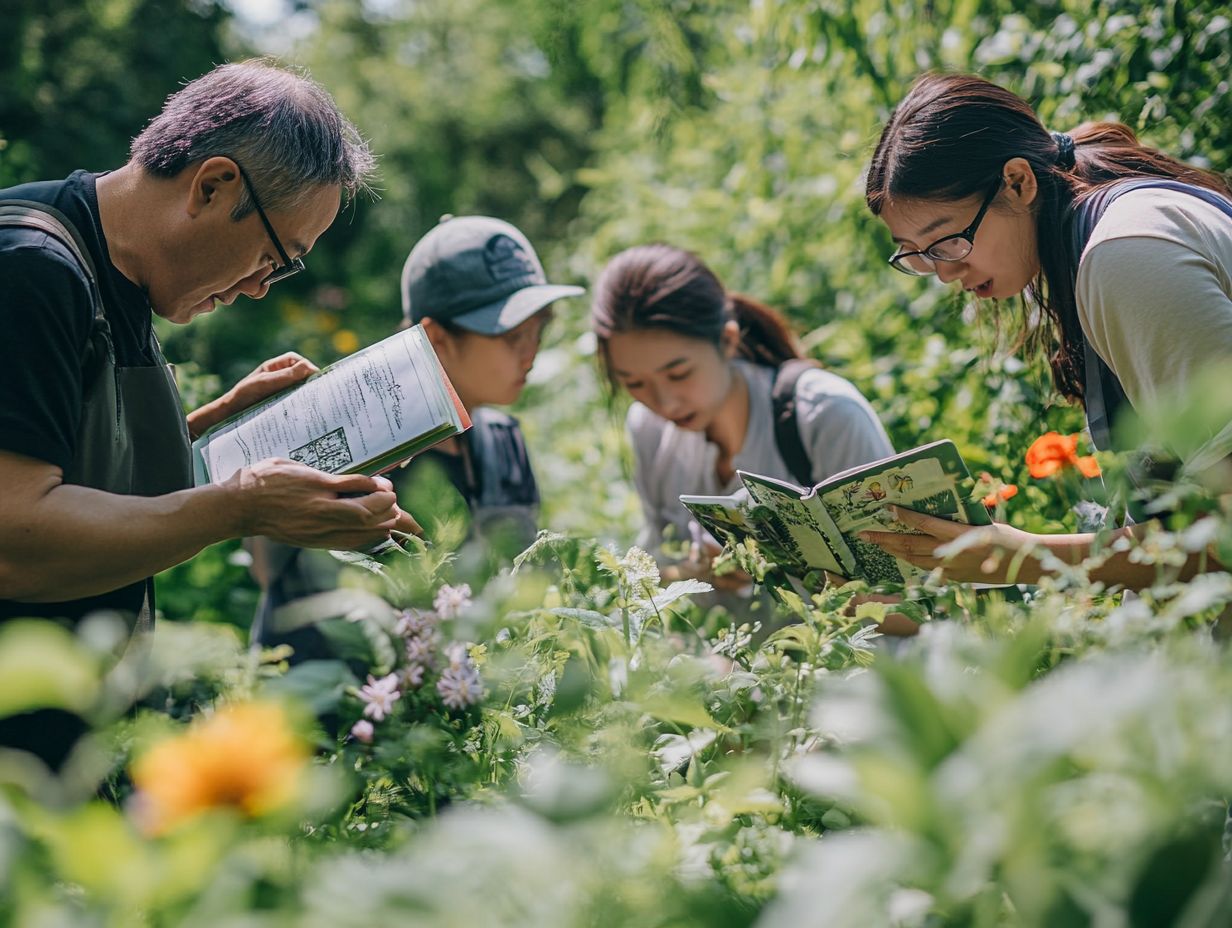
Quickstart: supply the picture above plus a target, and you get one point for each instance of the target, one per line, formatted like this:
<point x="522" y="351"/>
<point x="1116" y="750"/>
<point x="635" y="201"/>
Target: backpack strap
<point x="1103" y="395"/>
<point x="786" y="425"/>
<point x="31" y="214"/>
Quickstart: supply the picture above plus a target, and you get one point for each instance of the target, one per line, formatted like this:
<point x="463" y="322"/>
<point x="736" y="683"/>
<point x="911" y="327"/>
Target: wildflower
<point x="362" y="731"/>
<point x="379" y="696"/>
<point x="460" y="686"/>
<point x="459" y="683"/>
<point x="452" y="600"/>
<point x="413" y="676"/>
<point x="639" y="567"/>
<point x="1051" y="453"/>
<point x="421" y="650"/>
<point x="244" y="757"/>
<point x="456" y="654"/>
<point x="413" y="622"/>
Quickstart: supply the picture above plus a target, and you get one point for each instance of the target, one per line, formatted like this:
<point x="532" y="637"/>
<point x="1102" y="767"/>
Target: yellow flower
<point x="244" y="757"/>
<point x="345" y="341"/>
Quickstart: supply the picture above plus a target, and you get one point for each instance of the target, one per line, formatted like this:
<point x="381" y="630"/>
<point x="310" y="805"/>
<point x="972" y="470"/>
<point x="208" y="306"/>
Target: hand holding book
<point x="989" y="553"/>
<point x="367" y="413"/>
<point x="821" y="528"/>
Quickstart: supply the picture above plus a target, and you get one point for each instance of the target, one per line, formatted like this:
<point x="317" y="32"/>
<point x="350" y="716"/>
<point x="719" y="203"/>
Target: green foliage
<point x="637" y="757"/>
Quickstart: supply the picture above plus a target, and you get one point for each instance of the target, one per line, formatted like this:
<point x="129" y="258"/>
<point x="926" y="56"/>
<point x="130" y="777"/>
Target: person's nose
<point x="253" y="286"/>
<point x="667" y="400"/>
<point x="949" y="271"/>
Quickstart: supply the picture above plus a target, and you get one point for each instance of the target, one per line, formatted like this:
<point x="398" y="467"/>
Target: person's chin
<point x="182" y="315"/>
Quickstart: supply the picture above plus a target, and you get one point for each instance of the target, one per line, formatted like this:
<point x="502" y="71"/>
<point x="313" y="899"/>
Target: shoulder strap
<point x="505" y="474"/>
<point x="31" y="214"/>
<point x="786" y="426"/>
<point x="1103" y="395"/>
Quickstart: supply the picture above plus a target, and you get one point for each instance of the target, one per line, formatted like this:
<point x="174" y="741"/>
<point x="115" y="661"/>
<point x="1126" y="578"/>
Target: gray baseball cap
<point x="478" y="272"/>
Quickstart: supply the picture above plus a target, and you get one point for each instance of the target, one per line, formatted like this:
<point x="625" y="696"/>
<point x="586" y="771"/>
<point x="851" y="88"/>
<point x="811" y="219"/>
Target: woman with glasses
<point x="1122" y="254"/>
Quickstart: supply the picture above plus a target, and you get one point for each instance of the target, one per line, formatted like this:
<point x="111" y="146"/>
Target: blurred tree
<point x="80" y="79"/>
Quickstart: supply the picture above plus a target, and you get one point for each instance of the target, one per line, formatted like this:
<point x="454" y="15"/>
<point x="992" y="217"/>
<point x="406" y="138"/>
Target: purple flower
<point x="362" y="731"/>
<point x="413" y="675"/>
<point x="413" y="622"/>
<point x="460" y="686"/>
<point x="379" y="696"/>
<point x="421" y="650"/>
<point x="451" y="600"/>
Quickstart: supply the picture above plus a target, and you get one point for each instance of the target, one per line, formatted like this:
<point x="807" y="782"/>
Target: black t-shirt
<point x="45" y="320"/>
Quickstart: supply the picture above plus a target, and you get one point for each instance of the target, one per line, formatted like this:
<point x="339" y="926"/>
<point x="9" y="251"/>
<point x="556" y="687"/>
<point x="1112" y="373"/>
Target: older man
<point x="226" y="190"/>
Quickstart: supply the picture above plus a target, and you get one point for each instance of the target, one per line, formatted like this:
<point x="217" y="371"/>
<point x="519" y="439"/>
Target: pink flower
<point x="379" y="696"/>
<point x="362" y="731"/>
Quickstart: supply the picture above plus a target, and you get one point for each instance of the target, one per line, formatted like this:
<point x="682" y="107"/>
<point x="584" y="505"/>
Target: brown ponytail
<point x="664" y="287"/>
<point x="951" y="136"/>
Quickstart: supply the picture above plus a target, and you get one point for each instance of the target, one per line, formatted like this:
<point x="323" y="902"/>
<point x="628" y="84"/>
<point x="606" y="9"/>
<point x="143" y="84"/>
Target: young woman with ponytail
<point x="701" y="364"/>
<point x="1123" y="256"/>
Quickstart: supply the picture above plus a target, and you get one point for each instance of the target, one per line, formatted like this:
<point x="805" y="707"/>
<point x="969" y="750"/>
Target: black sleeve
<point x="45" y="319"/>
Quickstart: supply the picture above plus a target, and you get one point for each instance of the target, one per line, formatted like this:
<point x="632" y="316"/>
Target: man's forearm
<point x="78" y="542"/>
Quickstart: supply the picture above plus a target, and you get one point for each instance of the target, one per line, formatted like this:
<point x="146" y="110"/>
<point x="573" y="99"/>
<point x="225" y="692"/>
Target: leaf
<point x="674" y="751"/>
<point x="42" y="665"/>
<point x="543" y="542"/>
<point x="319" y="685"/>
<point x="679" y="589"/>
<point x="680" y="709"/>
<point x="585" y="616"/>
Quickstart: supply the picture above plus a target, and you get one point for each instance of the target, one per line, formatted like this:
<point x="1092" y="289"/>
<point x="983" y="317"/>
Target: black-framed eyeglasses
<point x="289" y="266"/>
<point x="950" y="248"/>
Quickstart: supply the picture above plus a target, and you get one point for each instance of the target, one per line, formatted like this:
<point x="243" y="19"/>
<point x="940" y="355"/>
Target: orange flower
<point x="1008" y="491"/>
<point x="244" y="757"/>
<point x="1051" y="453"/>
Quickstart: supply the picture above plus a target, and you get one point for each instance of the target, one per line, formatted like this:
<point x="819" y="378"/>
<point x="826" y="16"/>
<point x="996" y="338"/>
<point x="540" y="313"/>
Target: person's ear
<point x="1021" y="186"/>
<point x="214" y="183"/>
<point x="729" y="343"/>
<point x="442" y="342"/>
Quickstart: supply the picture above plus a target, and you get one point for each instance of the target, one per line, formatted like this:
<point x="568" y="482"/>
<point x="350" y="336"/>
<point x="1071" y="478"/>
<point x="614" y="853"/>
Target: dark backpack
<point x="1103" y="395"/>
<point x="786" y="426"/>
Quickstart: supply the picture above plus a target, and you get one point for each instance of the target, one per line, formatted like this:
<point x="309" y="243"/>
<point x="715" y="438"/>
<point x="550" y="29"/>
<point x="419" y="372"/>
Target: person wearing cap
<point x="480" y="292"/>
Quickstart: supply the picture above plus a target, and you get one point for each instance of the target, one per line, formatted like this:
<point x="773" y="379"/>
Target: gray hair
<point x="282" y="127"/>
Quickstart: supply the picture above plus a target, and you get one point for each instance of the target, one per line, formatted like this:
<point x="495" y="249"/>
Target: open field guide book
<point x="366" y="414"/>
<point x="806" y="530"/>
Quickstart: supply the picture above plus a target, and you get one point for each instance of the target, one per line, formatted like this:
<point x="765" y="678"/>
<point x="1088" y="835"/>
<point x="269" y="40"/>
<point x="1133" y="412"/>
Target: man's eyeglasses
<point x="289" y="265"/>
<point x="950" y="248"/>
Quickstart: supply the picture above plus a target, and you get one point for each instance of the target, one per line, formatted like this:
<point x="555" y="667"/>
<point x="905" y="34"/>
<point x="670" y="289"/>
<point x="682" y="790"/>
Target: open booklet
<point x="364" y="414"/>
<point x="815" y="529"/>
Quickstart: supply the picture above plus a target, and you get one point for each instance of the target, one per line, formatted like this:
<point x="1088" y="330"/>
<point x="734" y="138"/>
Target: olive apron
<point x="133" y="438"/>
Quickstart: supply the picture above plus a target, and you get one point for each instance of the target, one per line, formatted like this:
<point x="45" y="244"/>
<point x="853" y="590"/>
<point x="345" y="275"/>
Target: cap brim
<point x="509" y="313"/>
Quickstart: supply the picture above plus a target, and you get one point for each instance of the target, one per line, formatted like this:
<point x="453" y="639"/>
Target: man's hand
<point x="274" y="376"/>
<point x="299" y="505"/>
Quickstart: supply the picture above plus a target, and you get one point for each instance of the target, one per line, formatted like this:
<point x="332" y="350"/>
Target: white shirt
<point x="1154" y="296"/>
<point x="837" y="427"/>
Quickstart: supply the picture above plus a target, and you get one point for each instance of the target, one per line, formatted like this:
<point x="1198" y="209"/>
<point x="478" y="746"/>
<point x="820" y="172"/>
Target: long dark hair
<point x="664" y="287"/>
<point x="950" y="138"/>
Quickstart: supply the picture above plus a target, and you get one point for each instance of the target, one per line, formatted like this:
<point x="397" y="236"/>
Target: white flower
<point x="457" y="653"/>
<point x="379" y="696"/>
<point x="451" y="600"/>
<point x="460" y="686"/>
<point x="639" y="567"/>
<point x="412" y="622"/>
<point x="362" y="731"/>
